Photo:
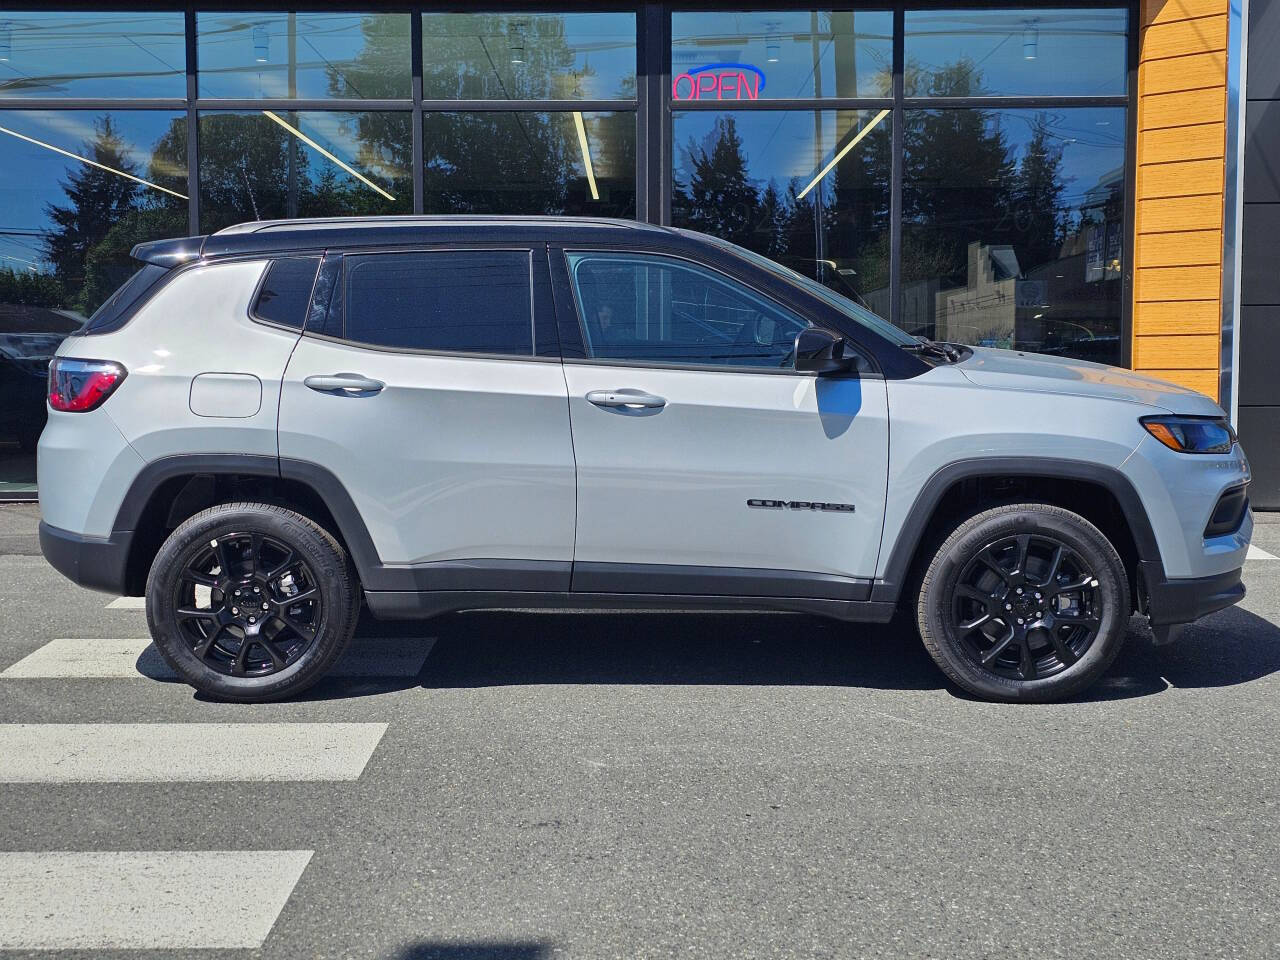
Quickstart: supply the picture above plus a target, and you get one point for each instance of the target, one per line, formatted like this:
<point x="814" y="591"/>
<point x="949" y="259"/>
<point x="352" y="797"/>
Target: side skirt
<point x="419" y="605"/>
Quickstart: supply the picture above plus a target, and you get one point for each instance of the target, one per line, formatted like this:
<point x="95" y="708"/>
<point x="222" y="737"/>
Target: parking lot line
<point x="61" y="900"/>
<point x="184" y="752"/>
<point x="136" y="658"/>
<point x="128" y="603"/>
<point x="1257" y="553"/>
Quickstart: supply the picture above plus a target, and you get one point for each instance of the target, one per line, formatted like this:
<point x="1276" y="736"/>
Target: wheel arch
<point x="167" y="491"/>
<point x="1101" y="494"/>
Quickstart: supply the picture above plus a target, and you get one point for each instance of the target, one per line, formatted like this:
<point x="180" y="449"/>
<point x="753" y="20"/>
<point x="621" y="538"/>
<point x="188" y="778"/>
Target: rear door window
<point x="454" y="301"/>
<point x="285" y="293"/>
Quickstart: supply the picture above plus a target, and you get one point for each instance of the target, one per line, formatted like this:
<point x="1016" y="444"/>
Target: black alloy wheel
<point x="251" y="602"/>
<point x="1026" y="607"/>
<point x="248" y="604"/>
<point x="1024" y="602"/>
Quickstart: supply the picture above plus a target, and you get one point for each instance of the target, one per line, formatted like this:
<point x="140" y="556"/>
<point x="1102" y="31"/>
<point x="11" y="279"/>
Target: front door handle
<point x="625" y="398"/>
<point x="344" y="383"/>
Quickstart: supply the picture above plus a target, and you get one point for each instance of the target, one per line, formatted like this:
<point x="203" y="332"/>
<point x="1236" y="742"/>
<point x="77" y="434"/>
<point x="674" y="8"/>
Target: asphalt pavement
<point x="527" y="786"/>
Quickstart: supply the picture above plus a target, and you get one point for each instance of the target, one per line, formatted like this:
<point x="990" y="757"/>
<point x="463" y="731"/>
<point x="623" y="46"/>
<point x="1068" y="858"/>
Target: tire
<point x="298" y="605"/>
<point x="994" y="581"/>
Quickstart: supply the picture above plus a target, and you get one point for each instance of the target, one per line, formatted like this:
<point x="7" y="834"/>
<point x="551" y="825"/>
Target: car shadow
<point x="430" y="950"/>
<point x="483" y="649"/>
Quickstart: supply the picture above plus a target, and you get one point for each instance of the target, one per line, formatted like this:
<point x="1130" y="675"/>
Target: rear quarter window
<point x="285" y="293"/>
<point x="118" y="308"/>
<point x="464" y="301"/>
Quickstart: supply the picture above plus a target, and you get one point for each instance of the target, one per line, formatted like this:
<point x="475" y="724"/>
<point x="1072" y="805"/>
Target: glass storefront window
<point x="528" y="56"/>
<point x="257" y="55"/>
<point x="1025" y="52"/>
<point x="763" y="55"/>
<point x="80" y="189"/>
<point x="1013" y="227"/>
<point x="497" y="161"/>
<point x="271" y="164"/>
<point x="808" y="188"/>
<point x="85" y="53"/>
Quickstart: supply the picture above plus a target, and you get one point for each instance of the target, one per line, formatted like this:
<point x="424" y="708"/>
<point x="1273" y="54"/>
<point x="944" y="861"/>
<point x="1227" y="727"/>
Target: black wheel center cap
<point x="247" y="601"/>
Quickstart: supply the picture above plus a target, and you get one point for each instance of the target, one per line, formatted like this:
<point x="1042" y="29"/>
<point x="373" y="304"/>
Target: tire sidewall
<point x="328" y="565"/>
<point x="1078" y="534"/>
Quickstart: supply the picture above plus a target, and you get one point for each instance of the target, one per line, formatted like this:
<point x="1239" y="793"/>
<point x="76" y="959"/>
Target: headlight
<point x="1192" y="434"/>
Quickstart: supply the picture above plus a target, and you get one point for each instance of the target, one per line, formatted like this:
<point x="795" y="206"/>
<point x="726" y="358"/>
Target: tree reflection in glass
<point x="1013" y="226"/>
<point x="809" y="189"/>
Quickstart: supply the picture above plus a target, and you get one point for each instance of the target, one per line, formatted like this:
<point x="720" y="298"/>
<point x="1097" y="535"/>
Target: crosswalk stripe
<point x="128" y="603"/>
<point x="1257" y="553"/>
<point x="184" y="752"/>
<point x="120" y="658"/>
<point x="150" y="900"/>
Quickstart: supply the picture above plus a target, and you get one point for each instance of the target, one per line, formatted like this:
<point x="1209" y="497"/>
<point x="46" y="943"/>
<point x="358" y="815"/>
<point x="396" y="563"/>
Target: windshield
<point x="846" y="306"/>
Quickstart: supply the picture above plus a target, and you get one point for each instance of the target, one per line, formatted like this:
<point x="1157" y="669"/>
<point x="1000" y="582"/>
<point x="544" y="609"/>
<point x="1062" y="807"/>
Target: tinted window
<point x="309" y="55"/>
<point x="115" y="309"/>
<point x="89" y="53"/>
<point x="769" y="54"/>
<point x="656" y="309"/>
<point x="465" y="301"/>
<point x="1013" y="229"/>
<point x="286" y="292"/>
<point x="1021" y="52"/>
<point x="523" y="55"/>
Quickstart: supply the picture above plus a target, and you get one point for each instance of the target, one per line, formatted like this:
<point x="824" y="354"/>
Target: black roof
<point x="283" y="236"/>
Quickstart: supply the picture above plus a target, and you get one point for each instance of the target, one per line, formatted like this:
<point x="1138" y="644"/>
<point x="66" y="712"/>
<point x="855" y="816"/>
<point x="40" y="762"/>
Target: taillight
<point x="79" y="385"/>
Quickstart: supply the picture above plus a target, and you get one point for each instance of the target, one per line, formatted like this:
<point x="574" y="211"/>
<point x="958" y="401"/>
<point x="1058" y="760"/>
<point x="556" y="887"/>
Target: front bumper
<point x="93" y="562"/>
<point x="1171" y="603"/>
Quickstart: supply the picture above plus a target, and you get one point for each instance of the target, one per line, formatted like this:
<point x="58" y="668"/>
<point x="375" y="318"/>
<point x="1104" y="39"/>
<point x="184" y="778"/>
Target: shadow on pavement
<point x="1227" y="648"/>
<point x="506" y="648"/>
<point x="473" y="951"/>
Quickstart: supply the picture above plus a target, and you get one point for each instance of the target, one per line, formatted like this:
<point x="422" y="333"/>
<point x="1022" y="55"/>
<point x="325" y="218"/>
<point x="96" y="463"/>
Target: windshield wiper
<point x="934" y="348"/>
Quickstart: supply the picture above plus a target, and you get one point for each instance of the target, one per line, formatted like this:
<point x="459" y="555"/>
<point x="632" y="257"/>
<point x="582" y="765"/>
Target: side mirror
<point x="821" y="351"/>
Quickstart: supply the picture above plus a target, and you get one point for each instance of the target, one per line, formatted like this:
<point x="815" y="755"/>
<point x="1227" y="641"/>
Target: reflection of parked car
<point x="24" y="367"/>
<point x="431" y="414"/>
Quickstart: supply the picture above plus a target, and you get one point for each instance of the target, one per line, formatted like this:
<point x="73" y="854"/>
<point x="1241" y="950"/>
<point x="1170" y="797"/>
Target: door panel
<point x="670" y="484"/>
<point x="454" y="458"/>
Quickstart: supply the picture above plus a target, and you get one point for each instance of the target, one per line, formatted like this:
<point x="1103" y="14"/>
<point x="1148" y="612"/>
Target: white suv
<point x="266" y="426"/>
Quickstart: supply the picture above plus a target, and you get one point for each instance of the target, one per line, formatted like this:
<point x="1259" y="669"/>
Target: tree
<point x="1036" y="198"/>
<point x="721" y="198"/>
<point x="98" y="199"/>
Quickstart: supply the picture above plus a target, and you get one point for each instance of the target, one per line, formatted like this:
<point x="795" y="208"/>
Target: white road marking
<point x="128" y="603"/>
<point x="164" y="900"/>
<point x="184" y="752"/>
<point x="137" y="658"/>
<point x="1257" y="553"/>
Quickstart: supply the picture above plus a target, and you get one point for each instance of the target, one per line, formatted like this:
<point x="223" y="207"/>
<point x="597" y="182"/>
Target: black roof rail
<point x="280" y="237"/>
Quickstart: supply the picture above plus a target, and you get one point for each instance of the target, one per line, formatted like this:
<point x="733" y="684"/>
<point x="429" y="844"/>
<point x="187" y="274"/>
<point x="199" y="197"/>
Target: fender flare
<point x="926" y="502"/>
<point x="321" y="480"/>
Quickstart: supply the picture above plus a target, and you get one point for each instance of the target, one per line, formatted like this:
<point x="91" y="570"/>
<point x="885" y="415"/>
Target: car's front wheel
<point x="251" y="602"/>
<point x="1024" y="602"/>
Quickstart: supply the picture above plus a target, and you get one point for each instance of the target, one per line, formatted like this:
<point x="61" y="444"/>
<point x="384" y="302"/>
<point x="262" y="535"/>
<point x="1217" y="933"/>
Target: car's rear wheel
<point x="1024" y="602"/>
<point x="251" y="602"/>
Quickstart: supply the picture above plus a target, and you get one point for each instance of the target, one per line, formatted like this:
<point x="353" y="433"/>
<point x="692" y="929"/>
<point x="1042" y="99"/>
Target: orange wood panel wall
<point x="1182" y="90"/>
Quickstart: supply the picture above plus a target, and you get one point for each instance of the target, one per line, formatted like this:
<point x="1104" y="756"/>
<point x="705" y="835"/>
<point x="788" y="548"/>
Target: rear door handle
<point x="344" y="383"/>
<point x="625" y="398"/>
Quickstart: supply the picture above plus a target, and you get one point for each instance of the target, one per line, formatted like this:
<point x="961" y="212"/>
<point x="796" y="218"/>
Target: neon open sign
<point x="719" y="81"/>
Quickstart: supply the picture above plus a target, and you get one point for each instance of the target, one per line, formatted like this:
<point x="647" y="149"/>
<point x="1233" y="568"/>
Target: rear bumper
<point x="92" y="562"/>
<point x="1168" y="602"/>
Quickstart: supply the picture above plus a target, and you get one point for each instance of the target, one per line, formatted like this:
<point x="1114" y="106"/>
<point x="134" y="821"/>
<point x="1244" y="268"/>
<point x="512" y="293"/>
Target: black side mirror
<point x="821" y="351"/>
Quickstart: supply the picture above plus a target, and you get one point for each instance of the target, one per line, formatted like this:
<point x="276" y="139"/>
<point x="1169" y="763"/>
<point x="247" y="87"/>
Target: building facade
<point x="1059" y="178"/>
